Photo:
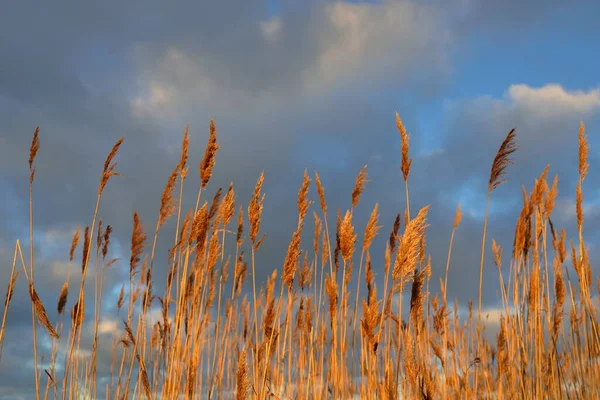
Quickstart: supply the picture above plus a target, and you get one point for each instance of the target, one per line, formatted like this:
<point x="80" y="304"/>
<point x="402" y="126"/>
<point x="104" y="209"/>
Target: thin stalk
<point x="485" y="221"/>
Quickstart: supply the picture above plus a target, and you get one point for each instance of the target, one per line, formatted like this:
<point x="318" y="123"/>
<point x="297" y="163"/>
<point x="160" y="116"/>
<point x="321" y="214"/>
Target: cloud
<point x="377" y="37"/>
<point x="271" y="29"/>
<point x="335" y="43"/>
<point x="553" y="101"/>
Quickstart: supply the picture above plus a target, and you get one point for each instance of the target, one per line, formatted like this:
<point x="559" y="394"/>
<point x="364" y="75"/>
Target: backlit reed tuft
<point x="85" y="249"/>
<point x="138" y="238"/>
<point x="583" y="152"/>
<point x="242" y="377"/>
<point x="405" y="139"/>
<point x="215" y="204"/>
<point x="394" y="234"/>
<point x="408" y="251"/>
<point x="109" y="167"/>
<point x="331" y="287"/>
<point x="10" y="290"/>
<point x="240" y="227"/>
<point x="106" y="240"/>
<point x="184" y="152"/>
<point x="40" y="312"/>
<point x="74" y="243"/>
<point x="227" y="208"/>
<point x="321" y="192"/>
<point x="303" y="203"/>
<point x="255" y="209"/>
<point x="359" y="186"/>
<point x="502" y="161"/>
<point x="208" y="162"/>
<point x="372" y="228"/>
<point x="457" y="216"/>
<point x="347" y="237"/>
<point x="62" y="297"/>
<point x="33" y="149"/>
<point x="291" y="259"/>
<point x="417" y="296"/>
<point x="167" y="203"/>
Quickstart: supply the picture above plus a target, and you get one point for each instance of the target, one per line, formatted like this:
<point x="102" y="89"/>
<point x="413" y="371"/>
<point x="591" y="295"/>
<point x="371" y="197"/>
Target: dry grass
<point x="310" y="339"/>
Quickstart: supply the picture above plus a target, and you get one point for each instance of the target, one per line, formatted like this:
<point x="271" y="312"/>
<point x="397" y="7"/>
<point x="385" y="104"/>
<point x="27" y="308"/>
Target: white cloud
<point x="552" y="100"/>
<point x="179" y="79"/>
<point x="395" y="35"/>
<point x="531" y="105"/>
<point x="108" y="326"/>
<point x="158" y="96"/>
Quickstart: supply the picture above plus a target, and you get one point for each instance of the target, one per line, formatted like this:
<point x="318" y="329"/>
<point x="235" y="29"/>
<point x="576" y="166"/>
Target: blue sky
<point x="292" y="85"/>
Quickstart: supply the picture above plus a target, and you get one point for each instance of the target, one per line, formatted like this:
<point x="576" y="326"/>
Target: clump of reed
<point x="318" y="336"/>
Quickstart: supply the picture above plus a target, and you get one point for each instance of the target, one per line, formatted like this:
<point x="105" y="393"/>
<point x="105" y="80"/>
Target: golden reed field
<point x="216" y="332"/>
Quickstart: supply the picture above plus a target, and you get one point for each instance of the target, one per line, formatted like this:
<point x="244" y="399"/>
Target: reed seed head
<point x="208" y="162"/>
<point x="404" y="138"/>
<point x="502" y="161"/>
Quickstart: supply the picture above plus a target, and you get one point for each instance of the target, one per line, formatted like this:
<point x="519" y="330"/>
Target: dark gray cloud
<point x="308" y="88"/>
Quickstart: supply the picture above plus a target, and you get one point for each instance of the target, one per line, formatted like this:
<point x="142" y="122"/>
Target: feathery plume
<point x="86" y="248"/>
<point x="291" y="259"/>
<point x="242" y="377"/>
<point x="417" y="296"/>
<point x="255" y="211"/>
<point x="372" y="228"/>
<point x="106" y="240"/>
<point x="109" y="166"/>
<point x="551" y="196"/>
<point x="214" y="206"/>
<point x="405" y="138"/>
<point x="579" y="205"/>
<point x="200" y="226"/>
<point x="74" y="243"/>
<point x="502" y="161"/>
<point x="40" y="312"/>
<point x="347" y="237"/>
<point x="35" y="146"/>
<point x="227" y="208"/>
<point x="62" y="298"/>
<point x="583" y="152"/>
<point x="394" y="233"/>
<point x="321" y="192"/>
<point x="359" y="186"/>
<point x="503" y="359"/>
<point x="303" y="203"/>
<point x="318" y="230"/>
<point x="457" y="216"/>
<point x="240" y="227"/>
<point x="10" y="289"/>
<point x="184" y="153"/>
<point x="121" y="297"/>
<point x="408" y="251"/>
<point x="304" y="278"/>
<point x="208" y="162"/>
<point x="138" y="237"/>
<point x="99" y="237"/>
<point x="167" y="203"/>
<point x="331" y="287"/>
<point x="497" y="251"/>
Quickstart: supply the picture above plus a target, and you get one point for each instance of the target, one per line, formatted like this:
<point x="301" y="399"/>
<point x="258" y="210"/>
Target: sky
<point x="291" y="85"/>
